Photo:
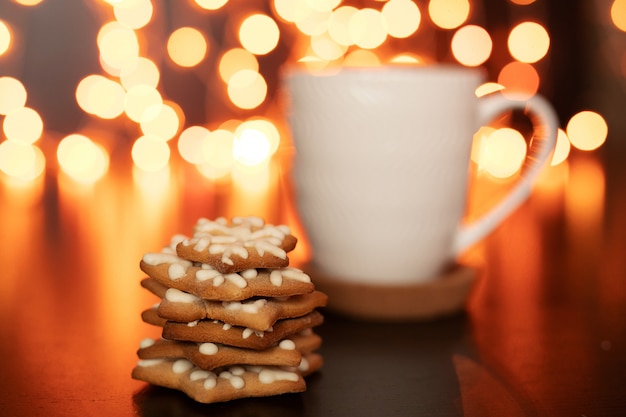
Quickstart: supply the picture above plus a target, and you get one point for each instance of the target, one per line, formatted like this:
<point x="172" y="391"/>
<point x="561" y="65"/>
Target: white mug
<point x="381" y="167"/>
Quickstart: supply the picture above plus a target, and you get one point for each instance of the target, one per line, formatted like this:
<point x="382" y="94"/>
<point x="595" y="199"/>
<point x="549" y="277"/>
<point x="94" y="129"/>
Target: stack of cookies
<point x="236" y="320"/>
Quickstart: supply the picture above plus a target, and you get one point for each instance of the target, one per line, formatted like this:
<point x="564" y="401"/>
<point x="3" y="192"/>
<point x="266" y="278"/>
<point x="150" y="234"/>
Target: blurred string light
<point x="259" y="34"/>
<point x="22" y="126"/>
<point x="587" y="130"/>
<point x="328" y="33"/>
<point x="528" y="42"/>
<point x="211" y="4"/>
<point x="234" y="60"/>
<point x="133" y="13"/>
<point x="82" y="159"/>
<point x="187" y="47"/>
<point x="5" y="37"/>
<point x="28" y="2"/>
<point x="519" y="79"/>
<point x="618" y="14"/>
<point x="12" y="95"/>
<point x="449" y="14"/>
<point x="471" y="45"/>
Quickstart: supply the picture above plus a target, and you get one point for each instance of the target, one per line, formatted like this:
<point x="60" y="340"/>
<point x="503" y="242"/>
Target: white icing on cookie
<point x="149" y="362"/>
<point x="238" y="238"/>
<point x="267" y="376"/>
<point x="199" y="374"/>
<point x="208" y="348"/>
<point x="178" y="267"/>
<point x="181" y="365"/>
<point x="147" y="342"/>
<point x="287" y="344"/>
<point x="251" y="307"/>
<point x="211" y="381"/>
<point x="178" y="296"/>
<point x="235" y="380"/>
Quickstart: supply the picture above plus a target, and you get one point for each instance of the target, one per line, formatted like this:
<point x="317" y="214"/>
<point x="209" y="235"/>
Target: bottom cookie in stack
<point x="214" y="361"/>
<point x="229" y="336"/>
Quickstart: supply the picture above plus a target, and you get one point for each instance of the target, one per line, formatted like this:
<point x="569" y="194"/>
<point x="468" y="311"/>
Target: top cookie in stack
<point x="237" y="320"/>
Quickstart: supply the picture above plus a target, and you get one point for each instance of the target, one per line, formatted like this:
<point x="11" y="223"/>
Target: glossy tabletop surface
<point x="544" y="333"/>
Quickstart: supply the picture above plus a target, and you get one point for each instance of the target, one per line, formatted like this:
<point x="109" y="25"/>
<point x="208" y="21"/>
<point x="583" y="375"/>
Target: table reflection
<point x="543" y="333"/>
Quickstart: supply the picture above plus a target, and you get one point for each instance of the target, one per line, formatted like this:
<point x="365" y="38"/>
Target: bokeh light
<point x="141" y="72"/>
<point x="17" y="158"/>
<point x="5" y="37"/>
<point x="315" y="22"/>
<point x="211" y="4"/>
<point x="503" y="153"/>
<point x="142" y="100"/>
<point x="618" y="14"/>
<point x="478" y="143"/>
<point x="471" y="45"/>
<point x="587" y="130"/>
<point x="23" y="125"/>
<point x="327" y="34"/>
<point x="217" y="154"/>
<point x="361" y="58"/>
<point x="150" y="153"/>
<point x="82" y="159"/>
<point x="234" y="60"/>
<point x="488" y="88"/>
<point x="292" y="11"/>
<point x="28" y="2"/>
<point x="325" y="47"/>
<point x="519" y="79"/>
<point x="100" y="96"/>
<point x="267" y="128"/>
<point x="135" y="14"/>
<point x="323" y="5"/>
<point x="562" y="148"/>
<point x="259" y="34"/>
<point x="339" y="25"/>
<point x="118" y="45"/>
<point x="528" y="42"/>
<point x="187" y="47"/>
<point x="403" y="17"/>
<point x="368" y="28"/>
<point x="12" y="95"/>
<point x="251" y="146"/>
<point x="407" y="58"/>
<point x="448" y="14"/>
<point x="247" y="89"/>
<point x="190" y="143"/>
<point x="163" y="123"/>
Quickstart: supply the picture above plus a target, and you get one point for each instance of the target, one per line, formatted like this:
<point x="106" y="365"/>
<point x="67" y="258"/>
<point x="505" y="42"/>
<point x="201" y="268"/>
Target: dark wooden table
<point x="544" y="333"/>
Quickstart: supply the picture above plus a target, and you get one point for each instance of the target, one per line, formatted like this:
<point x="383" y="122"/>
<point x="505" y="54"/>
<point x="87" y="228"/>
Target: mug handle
<point x="545" y="123"/>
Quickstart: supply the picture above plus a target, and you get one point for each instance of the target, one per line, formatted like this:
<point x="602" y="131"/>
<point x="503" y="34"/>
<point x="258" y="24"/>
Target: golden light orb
<point x="259" y="34"/>
<point x="528" y="42"/>
<point x="448" y="14"/>
<point x="471" y="45"/>
<point x="24" y="125"/>
<point x="403" y="17"/>
<point x="5" y="37"/>
<point x="247" y="89"/>
<point x="12" y="95"/>
<point x="187" y="47"/>
<point x="587" y="130"/>
<point x="190" y="143"/>
<point x="82" y="159"/>
<point x="150" y="153"/>
<point x="368" y="28"/>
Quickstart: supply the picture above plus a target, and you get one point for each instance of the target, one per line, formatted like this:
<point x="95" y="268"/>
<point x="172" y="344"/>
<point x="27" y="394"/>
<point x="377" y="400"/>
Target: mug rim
<point x="298" y="71"/>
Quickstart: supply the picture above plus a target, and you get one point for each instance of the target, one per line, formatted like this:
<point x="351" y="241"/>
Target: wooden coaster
<point x="442" y="296"/>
